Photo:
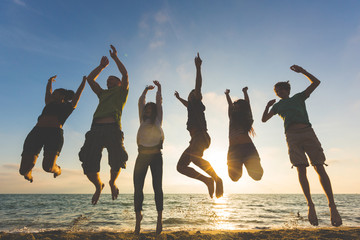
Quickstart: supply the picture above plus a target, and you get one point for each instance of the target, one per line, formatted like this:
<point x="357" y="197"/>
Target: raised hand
<point x="113" y="53"/>
<point x="149" y="87"/>
<point x="104" y="61"/>
<point x="271" y="102"/>
<point x="297" y="69"/>
<point x="176" y="94"/>
<point x="156" y="82"/>
<point x="198" y="60"/>
<point x="245" y="89"/>
<point x="52" y="79"/>
<point x="227" y="91"/>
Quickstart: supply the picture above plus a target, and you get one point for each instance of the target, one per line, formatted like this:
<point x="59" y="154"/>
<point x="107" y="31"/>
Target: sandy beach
<point x="305" y="233"/>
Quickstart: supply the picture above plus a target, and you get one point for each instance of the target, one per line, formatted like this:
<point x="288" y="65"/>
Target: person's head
<point x="62" y="95"/>
<point x="192" y="96"/>
<point x="149" y="112"/>
<point x="282" y="89"/>
<point x="113" y="81"/>
<point x="242" y="115"/>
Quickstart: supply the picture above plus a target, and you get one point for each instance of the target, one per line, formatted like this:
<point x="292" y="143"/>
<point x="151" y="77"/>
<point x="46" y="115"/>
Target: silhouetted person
<point x="48" y="132"/>
<point x="200" y="139"/>
<point x="301" y="139"/>
<point x="242" y="150"/>
<point x="105" y="130"/>
<point x="150" y="137"/>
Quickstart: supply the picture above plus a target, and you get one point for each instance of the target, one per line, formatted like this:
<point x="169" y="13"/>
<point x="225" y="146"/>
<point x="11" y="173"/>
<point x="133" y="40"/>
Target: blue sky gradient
<point x="242" y="43"/>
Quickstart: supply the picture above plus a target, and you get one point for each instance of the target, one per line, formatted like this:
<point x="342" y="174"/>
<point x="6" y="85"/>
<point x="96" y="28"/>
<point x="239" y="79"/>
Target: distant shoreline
<point x="296" y="233"/>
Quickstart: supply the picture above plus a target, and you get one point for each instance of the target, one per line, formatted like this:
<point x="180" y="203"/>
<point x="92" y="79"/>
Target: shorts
<point x="100" y="136"/>
<point x="200" y="141"/>
<point x="241" y="153"/>
<point x="301" y="141"/>
<point x="52" y="139"/>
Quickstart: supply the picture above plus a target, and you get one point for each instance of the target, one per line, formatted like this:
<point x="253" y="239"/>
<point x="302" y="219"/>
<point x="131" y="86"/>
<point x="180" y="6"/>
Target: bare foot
<point x="312" y="216"/>
<point x="139" y="217"/>
<point x="159" y="224"/>
<point x="335" y="217"/>
<point x="28" y="176"/>
<point x="114" y="190"/>
<point x="97" y="193"/>
<point x="219" y="188"/>
<point x="210" y="184"/>
<point x="58" y="172"/>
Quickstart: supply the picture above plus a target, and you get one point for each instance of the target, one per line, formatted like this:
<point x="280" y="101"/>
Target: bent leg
<point x="95" y="179"/>
<point x="183" y="168"/>
<point x="306" y="190"/>
<point x="254" y="168"/>
<point x="26" y="166"/>
<point x="49" y="164"/>
<point x="235" y="171"/>
<point x="114" y="189"/>
<point x="326" y="184"/>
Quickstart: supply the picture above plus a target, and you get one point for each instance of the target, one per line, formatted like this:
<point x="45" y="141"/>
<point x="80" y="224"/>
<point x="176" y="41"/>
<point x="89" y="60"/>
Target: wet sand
<point x="349" y="233"/>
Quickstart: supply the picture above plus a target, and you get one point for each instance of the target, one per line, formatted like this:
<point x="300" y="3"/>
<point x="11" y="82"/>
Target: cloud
<point x="156" y="44"/>
<point x="20" y="3"/>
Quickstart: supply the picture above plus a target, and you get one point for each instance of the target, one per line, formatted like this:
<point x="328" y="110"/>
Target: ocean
<point x="74" y="212"/>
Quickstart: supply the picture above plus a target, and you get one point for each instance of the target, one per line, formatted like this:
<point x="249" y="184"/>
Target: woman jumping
<point x="48" y="132"/>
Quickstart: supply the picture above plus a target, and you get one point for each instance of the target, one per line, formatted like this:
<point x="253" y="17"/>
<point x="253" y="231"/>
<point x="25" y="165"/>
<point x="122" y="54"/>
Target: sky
<point x="242" y="43"/>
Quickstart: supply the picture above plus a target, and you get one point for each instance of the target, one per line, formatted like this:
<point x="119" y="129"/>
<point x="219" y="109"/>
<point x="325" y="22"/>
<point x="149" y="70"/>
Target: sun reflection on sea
<point x="222" y="214"/>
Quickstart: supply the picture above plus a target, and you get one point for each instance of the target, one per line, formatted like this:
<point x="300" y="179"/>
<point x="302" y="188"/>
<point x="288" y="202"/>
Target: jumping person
<point x="105" y="130"/>
<point x="150" y="138"/>
<point x="200" y="139"/>
<point x="242" y="150"/>
<point x="48" y="132"/>
<point x="301" y="139"/>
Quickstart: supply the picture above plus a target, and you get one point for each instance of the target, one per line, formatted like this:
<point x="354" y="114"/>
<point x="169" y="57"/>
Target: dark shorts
<point x="52" y="139"/>
<point x="247" y="155"/>
<point x="200" y="141"/>
<point x="102" y="136"/>
<point x="241" y="153"/>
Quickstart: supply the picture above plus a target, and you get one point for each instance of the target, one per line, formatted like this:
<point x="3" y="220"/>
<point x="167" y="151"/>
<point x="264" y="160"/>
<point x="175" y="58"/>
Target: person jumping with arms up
<point x="48" y="132"/>
<point x="200" y="139"/>
<point x="301" y="139"/>
<point x="105" y="130"/>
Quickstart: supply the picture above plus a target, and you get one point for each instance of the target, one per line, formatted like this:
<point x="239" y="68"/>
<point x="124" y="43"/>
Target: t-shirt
<point x="61" y="110"/>
<point x="150" y="134"/>
<point x="292" y="110"/>
<point x="111" y="103"/>
<point x="196" y="116"/>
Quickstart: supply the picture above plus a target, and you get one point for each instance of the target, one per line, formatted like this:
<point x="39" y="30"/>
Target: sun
<point x="218" y="160"/>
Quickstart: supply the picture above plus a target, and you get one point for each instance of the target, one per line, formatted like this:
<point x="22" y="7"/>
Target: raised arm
<point x="230" y="103"/>
<point x="268" y="114"/>
<point x="314" y="81"/>
<point x="159" y="101"/>
<point x="121" y="67"/>
<point x="183" y="101"/>
<point x="48" y="90"/>
<point x="246" y="97"/>
<point x="141" y="103"/>
<point x="95" y="73"/>
<point x="198" y="81"/>
<point x="77" y="95"/>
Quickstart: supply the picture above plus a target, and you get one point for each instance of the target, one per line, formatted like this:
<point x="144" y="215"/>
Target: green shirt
<point x="292" y="110"/>
<point x="111" y="103"/>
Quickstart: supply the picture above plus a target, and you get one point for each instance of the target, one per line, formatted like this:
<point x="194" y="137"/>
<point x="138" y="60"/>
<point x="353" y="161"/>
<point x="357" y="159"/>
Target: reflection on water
<point x="181" y="212"/>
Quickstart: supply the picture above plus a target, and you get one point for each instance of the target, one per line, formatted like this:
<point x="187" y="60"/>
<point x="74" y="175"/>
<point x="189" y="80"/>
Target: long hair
<point x="241" y="116"/>
<point x="68" y="94"/>
<point x="153" y="115"/>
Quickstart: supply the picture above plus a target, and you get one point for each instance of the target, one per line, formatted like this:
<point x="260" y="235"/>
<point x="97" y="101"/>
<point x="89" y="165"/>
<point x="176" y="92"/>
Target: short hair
<point x="283" y="85"/>
<point x="115" y="77"/>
